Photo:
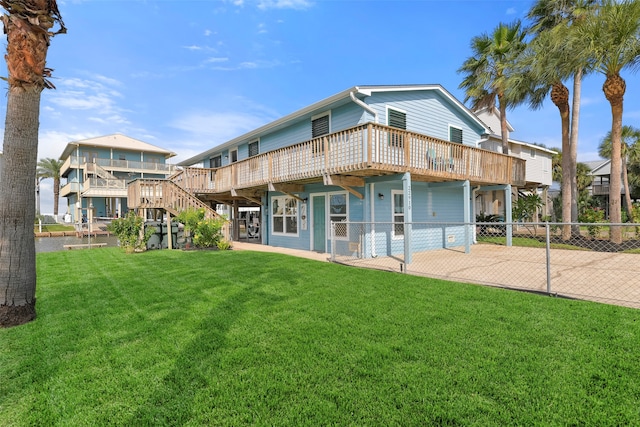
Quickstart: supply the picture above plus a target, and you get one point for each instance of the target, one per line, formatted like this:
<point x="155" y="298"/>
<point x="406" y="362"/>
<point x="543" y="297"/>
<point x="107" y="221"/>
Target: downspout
<point x="364" y="106"/>
<point x="372" y="202"/>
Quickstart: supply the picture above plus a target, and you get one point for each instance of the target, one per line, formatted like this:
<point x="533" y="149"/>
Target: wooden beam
<point x="345" y="182"/>
<point x="246" y="195"/>
<point x="288" y="189"/>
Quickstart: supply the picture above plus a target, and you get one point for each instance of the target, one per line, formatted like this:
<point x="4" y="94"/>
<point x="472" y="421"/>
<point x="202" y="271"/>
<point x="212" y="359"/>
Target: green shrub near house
<point x="204" y="232"/>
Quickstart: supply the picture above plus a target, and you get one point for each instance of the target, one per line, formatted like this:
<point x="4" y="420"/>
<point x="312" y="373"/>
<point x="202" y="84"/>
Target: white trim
<point x="455" y="127"/>
<point x="231" y="156"/>
<point x="399" y="110"/>
<point x="284" y="216"/>
<point x="393" y="215"/>
<point x="346" y="214"/>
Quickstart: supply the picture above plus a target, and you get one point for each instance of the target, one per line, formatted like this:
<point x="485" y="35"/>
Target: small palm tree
<point x="491" y="76"/>
<point x="630" y="152"/>
<point x="50" y="168"/>
<point x="611" y="36"/>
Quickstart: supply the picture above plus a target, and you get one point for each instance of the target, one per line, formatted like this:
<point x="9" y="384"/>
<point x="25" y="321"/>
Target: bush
<point x="205" y="233"/>
<point x="593" y="216"/>
<point x="128" y="230"/>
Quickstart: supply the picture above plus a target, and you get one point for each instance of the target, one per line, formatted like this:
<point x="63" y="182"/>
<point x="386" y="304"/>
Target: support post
<point x="508" y="217"/>
<point x="408" y="217"/>
<point x="466" y="189"/>
<point x="169" y="232"/>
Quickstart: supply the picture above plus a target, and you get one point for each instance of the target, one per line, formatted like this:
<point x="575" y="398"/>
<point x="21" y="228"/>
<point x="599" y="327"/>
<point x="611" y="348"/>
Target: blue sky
<point x="188" y="75"/>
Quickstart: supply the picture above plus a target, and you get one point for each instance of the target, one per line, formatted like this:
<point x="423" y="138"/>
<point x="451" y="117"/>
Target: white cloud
<point x="511" y="11"/>
<point x="218" y="127"/>
<point x="284" y="4"/>
<point x="192" y="47"/>
<point x="215" y="60"/>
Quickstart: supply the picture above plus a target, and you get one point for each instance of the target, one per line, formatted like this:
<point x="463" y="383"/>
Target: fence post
<point x="548" y="244"/>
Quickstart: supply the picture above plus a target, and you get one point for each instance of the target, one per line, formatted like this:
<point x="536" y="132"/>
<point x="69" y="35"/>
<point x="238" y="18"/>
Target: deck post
<point x="169" y="231"/>
<point x="466" y="189"/>
<point x="508" y="217"/>
<point x="408" y="217"/>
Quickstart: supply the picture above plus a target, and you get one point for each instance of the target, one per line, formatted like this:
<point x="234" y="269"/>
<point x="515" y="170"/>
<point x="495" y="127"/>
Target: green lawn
<point x="247" y="338"/>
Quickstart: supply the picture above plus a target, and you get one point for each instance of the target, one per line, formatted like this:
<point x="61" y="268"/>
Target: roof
<point x="333" y="101"/>
<point x="599" y="167"/>
<point x="493" y="112"/>
<point x="119" y="141"/>
<point x="526" y="144"/>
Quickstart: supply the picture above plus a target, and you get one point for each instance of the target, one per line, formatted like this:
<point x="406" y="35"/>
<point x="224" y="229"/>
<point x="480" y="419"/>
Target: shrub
<point x="128" y="230"/>
<point x="592" y="216"/>
<point x="205" y="233"/>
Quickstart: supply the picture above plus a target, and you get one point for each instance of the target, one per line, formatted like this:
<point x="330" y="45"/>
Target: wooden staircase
<point x="164" y="194"/>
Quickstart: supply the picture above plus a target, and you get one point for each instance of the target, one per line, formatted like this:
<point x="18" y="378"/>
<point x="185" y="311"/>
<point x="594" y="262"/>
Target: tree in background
<point x="28" y="25"/>
<point x="630" y="153"/>
<point x="611" y="36"/>
<point x="491" y="75"/>
<point x="50" y="168"/>
<point x="554" y="60"/>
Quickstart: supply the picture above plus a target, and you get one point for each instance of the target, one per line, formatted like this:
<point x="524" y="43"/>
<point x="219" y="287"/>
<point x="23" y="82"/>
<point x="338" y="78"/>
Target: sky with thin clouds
<point x="186" y="75"/>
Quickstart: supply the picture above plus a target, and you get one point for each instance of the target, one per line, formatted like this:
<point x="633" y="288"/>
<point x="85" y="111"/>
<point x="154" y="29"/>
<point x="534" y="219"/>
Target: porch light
<point x="380" y="196"/>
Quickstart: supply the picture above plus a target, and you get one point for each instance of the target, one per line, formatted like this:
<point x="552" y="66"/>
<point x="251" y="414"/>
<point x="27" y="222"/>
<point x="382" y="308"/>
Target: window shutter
<point x="397" y="119"/>
<point x="455" y="135"/>
<point x="320" y="126"/>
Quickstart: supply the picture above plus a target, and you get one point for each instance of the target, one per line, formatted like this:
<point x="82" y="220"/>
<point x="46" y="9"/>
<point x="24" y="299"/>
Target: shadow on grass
<point x="173" y="400"/>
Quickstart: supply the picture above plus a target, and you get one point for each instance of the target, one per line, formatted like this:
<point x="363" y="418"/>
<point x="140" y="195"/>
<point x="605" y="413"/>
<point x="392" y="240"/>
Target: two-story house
<point x="396" y="154"/>
<point x="538" y="172"/>
<point x="97" y="171"/>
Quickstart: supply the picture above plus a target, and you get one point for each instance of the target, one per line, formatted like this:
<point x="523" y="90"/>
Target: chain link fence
<point x="583" y="262"/>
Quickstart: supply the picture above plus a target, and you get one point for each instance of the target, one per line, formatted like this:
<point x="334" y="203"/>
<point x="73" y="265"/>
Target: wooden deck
<point x="363" y="151"/>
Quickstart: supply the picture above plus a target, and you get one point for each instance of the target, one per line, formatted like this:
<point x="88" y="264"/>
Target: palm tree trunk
<point x="565" y="185"/>
<point x="616" y="171"/>
<point x="56" y="196"/>
<point x="573" y="149"/>
<point x="627" y="190"/>
<point x="503" y="124"/>
<point x="17" y="244"/>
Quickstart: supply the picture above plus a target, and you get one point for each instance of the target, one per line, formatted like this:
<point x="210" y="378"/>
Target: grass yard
<point x="247" y="338"/>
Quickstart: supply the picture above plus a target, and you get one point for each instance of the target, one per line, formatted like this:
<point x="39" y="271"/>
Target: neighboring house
<point x="395" y="154"/>
<point x="599" y="188"/>
<point x="538" y="174"/>
<point x="97" y="171"/>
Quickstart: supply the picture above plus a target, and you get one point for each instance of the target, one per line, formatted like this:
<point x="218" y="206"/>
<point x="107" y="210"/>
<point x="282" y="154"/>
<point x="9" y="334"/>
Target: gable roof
<point x="341" y="98"/>
<point x="599" y="167"/>
<point x="117" y="141"/>
<point x="486" y="111"/>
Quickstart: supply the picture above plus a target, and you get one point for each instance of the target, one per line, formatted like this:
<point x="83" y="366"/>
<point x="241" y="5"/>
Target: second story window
<point x="396" y="119"/>
<point x="320" y="125"/>
<point x="215" y="162"/>
<point x="455" y="134"/>
<point x="254" y="149"/>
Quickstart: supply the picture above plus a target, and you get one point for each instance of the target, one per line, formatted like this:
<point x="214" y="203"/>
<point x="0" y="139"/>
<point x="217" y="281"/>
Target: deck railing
<point x="116" y="164"/>
<point x="365" y="150"/>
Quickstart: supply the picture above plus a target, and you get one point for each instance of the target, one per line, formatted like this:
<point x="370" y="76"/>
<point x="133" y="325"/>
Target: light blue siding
<point x="428" y="112"/>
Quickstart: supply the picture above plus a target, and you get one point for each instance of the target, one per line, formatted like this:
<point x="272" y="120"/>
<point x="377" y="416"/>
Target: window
<point x="455" y="134"/>
<point x="254" y="149"/>
<point x="396" y="119"/>
<point x="320" y="125"/>
<point x="338" y="212"/>
<point x="234" y="156"/>
<point x="215" y="162"/>
<point x="398" y="213"/>
<point x="284" y="214"/>
<point x="532" y="153"/>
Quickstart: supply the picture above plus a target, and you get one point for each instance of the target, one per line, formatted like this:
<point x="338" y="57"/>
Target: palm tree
<point x="490" y="74"/>
<point x="50" y="168"/>
<point x="28" y="25"/>
<point x="630" y="151"/>
<point x="612" y="42"/>
<point x="555" y="60"/>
